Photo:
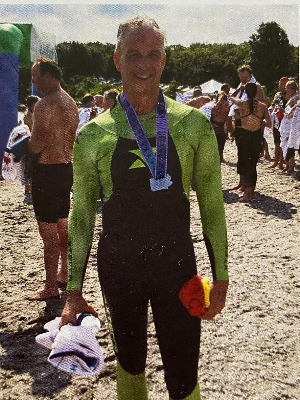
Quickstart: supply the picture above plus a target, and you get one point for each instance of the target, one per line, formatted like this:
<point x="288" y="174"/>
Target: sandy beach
<point x="250" y="351"/>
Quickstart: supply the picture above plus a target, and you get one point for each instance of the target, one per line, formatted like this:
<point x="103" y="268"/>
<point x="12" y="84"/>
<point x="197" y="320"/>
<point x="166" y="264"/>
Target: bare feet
<point x="236" y="187"/>
<point x="248" y="195"/>
<point x="274" y="165"/>
<point x="245" y="200"/>
<point x="43" y="295"/>
<point x="241" y="184"/>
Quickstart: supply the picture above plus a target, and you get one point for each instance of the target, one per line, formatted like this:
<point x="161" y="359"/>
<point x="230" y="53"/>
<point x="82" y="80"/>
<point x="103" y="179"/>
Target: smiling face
<point x="141" y="60"/>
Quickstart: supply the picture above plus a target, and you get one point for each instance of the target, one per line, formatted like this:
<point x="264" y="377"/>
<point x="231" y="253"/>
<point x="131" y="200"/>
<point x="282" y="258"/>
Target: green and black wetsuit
<point x="145" y="251"/>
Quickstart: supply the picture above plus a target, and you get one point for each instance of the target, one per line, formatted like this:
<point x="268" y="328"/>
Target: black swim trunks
<point x="51" y="186"/>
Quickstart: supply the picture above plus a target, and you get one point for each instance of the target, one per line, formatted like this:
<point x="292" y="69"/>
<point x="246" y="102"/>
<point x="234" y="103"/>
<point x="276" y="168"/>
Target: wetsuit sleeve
<point x="208" y="186"/>
<point x="86" y="189"/>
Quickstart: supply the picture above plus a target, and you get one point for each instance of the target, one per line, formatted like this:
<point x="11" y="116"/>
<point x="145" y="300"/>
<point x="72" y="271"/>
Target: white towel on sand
<point x="74" y="349"/>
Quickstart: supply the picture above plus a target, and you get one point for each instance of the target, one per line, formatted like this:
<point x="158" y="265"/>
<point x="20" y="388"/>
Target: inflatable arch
<point x="20" y="45"/>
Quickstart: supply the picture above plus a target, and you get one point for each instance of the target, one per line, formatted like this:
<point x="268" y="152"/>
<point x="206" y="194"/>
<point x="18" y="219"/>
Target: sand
<point x="250" y="351"/>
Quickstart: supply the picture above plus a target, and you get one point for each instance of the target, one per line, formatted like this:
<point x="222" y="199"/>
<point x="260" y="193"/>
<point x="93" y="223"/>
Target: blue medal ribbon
<point x="156" y="164"/>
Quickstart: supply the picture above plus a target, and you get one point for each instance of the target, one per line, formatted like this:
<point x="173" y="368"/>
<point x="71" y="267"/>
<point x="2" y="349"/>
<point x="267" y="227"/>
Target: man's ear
<point x="117" y="61"/>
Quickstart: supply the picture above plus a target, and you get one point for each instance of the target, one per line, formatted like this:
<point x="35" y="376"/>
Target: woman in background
<point x="250" y="141"/>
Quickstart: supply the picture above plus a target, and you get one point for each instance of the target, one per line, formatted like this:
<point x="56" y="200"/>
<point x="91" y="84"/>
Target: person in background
<point x="245" y="75"/>
<point x="280" y="103"/>
<point x="55" y="120"/>
<point x="99" y="99"/>
<point x="266" y="131"/>
<point x="198" y="99"/>
<point x="252" y="113"/>
<point x="294" y="137"/>
<point x="88" y="112"/>
<point x="28" y="159"/>
<point x="291" y="96"/>
<point x="110" y="98"/>
<point x="31" y="101"/>
<point x="21" y="111"/>
<point x="278" y="159"/>
<point x="221" y="122"/>
<point x="225" y="88"/>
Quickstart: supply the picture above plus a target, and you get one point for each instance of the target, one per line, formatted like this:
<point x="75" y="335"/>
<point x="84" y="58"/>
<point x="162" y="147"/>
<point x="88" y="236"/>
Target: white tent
<point x="210" y="87"/>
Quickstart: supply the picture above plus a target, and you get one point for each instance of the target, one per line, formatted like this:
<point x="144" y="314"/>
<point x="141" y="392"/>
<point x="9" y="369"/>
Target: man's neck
<point x="52" y="89"/>
<point x="142" y="104"/>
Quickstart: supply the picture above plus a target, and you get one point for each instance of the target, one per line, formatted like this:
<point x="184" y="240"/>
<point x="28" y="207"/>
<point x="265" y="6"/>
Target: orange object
<point x="194" y="295"/>
<point x="280" y="115"/>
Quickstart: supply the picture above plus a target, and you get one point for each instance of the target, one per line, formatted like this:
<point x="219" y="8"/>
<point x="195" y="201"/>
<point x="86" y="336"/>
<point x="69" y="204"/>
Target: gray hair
<point x="137" y="22"/>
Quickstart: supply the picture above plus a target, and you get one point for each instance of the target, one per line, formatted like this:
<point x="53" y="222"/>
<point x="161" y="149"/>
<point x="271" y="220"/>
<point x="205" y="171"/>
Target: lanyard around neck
<point x="156" y="164"/>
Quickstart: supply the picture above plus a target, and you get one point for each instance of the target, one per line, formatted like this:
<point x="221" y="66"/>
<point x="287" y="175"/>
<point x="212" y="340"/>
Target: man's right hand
<point x="75" y="304"/>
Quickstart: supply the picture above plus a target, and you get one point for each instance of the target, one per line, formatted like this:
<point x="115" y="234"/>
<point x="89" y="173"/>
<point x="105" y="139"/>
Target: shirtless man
<point x="198" y="100"/>
<point x="55" y="121"/>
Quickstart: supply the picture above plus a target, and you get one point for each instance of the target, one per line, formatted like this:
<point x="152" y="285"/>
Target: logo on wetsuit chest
<point x="139" y="162"/>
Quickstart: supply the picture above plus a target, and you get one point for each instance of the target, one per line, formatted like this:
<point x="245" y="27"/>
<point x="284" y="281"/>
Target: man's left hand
<point x="218" y="293"/>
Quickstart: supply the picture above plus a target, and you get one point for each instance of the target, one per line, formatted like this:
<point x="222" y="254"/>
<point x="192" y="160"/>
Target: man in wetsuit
<point x="145" y="251"/>
<point x="55" y="120"/>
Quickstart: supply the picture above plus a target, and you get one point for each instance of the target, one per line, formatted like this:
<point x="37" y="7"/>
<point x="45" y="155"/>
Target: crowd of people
<point x="145" y="252"/>
<point x="94" y="105"/>
<point x="248" y="116"/>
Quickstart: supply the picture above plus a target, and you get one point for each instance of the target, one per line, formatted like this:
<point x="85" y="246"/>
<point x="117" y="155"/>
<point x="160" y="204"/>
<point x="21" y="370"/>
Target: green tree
<point x="294" y="64"/>
<point x="271" y="54"/>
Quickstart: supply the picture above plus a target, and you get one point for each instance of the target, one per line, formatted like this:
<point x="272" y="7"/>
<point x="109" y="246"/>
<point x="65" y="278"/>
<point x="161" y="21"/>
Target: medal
<point x="157" y="164"/>
<point x="160" y="184"/>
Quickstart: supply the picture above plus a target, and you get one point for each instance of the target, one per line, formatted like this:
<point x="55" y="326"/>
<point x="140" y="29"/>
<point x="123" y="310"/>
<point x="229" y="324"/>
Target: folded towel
<point x="74" y="349"/>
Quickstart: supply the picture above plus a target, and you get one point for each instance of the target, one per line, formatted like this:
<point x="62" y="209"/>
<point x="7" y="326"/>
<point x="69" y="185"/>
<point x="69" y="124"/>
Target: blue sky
<point x="194" y="22"/>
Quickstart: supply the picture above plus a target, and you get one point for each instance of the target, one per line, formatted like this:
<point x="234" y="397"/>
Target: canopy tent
<point x="210" y="87"/>
<point x="20" y="45"/>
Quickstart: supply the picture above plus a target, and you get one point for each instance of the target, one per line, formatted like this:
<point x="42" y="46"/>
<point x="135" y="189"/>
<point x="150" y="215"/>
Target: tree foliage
<point x="89" y="60"/>
<point x="200" y="62"/>
<point x="89" y="67"/>
<point x="272" y="56"/>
